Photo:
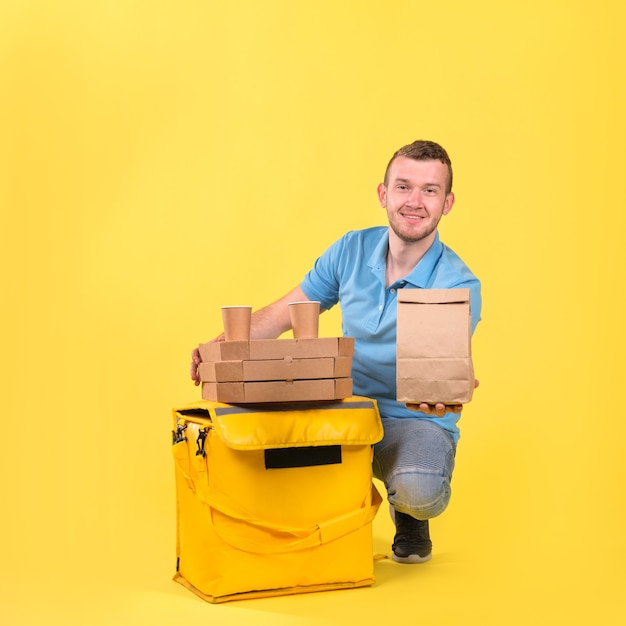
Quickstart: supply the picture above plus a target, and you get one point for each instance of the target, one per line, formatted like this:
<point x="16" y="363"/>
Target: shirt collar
<point x="422" y="272"/>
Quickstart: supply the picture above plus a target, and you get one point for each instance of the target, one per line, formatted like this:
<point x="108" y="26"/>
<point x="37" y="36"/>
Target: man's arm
<point x="273" y="320"/>
<point x="267" y="323"/>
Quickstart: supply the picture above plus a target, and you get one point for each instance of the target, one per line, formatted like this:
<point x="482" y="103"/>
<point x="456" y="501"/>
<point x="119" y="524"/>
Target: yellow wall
<point x="161" y="158"/>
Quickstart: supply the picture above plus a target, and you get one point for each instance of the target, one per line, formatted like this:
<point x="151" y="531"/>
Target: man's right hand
<point x="195" y="362"/>
<point x="196" y="359"/>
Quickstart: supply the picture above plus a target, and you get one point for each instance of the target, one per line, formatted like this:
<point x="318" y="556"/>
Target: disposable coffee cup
<point x="236" y="322"/>
<point x="305" y="319"/>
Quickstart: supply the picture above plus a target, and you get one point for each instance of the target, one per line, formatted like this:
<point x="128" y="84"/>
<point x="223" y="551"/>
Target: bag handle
<point x="264" y="537"/>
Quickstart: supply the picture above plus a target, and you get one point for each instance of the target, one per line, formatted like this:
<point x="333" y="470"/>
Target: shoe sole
<point x="411" y="559"/>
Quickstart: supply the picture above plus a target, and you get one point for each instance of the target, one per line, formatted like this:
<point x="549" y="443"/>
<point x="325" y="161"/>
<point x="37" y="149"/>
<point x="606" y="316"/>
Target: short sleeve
<point x="323" y="281"/>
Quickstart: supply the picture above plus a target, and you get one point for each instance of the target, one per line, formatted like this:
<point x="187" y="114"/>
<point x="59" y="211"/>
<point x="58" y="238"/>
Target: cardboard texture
<point x="259" y="349"/>
<point x="434" y="360"/>
<point x="277" y="370"/>
<point x="278" y="391"/>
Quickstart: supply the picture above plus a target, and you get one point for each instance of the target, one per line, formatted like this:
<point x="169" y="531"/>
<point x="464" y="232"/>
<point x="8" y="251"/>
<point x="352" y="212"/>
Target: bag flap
<point x="353" y="421"/>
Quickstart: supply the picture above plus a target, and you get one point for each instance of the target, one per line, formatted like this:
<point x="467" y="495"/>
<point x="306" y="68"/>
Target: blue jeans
<point x="415" y="460"/>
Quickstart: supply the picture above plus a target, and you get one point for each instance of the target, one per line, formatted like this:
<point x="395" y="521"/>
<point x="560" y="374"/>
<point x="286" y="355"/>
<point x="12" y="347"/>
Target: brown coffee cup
<point x="236" y="322"/>
<point x="305" y="317"/>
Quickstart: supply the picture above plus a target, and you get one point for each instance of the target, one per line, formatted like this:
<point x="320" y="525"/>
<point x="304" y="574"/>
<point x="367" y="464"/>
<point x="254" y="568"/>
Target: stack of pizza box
<point x="277" y="370"/>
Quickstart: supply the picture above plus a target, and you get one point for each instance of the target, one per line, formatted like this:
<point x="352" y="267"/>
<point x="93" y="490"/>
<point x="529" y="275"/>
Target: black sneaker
<point x="412" y="542"/>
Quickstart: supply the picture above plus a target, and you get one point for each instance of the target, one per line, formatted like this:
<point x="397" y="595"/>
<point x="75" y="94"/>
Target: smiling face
<point x="415" y="198"/>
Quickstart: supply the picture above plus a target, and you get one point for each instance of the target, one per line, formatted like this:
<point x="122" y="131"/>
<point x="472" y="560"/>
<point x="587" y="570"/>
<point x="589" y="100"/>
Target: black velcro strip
<point x="280" y="458"/>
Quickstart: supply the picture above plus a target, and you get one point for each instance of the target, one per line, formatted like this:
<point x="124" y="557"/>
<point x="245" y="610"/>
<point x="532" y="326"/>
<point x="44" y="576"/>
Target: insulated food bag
<point x="274" y="499"/>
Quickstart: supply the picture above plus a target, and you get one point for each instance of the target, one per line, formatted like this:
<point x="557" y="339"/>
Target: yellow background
<point x="161" y="158"/>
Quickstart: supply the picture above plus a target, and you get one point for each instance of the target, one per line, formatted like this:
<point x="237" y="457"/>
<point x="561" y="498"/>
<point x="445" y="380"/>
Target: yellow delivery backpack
<point x="274" y="499"/>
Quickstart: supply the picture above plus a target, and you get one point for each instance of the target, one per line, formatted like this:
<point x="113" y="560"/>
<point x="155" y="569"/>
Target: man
<point x="363" y="271"/>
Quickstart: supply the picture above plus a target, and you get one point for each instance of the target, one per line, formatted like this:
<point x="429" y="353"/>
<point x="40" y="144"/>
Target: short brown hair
<point x="422" y="150"/>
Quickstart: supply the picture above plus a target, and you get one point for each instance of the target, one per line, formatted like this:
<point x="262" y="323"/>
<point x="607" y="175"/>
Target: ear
<point x="382" y="195"/>
<point x="448" y="203"/>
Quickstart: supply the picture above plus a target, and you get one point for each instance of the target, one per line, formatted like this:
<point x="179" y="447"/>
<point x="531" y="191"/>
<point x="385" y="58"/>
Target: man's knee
<point x="421" y="495"/>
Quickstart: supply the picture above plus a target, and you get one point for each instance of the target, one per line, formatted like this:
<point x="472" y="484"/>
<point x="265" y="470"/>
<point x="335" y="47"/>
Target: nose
<point x="415" y="198"/>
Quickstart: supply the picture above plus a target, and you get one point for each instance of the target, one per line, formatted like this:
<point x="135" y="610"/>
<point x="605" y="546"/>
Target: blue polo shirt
<point x="352" y="273"/>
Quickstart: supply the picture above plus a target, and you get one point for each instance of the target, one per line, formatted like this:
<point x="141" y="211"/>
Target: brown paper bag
<point x="434" y="361"/>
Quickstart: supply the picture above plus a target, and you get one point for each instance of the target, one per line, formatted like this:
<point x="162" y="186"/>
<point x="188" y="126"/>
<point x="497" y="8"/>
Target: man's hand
<point x="439" y="409"/>
<point x="196" y="360"/>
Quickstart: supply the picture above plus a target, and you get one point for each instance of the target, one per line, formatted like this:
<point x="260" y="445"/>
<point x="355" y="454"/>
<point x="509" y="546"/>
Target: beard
<point x="408" y="235"/>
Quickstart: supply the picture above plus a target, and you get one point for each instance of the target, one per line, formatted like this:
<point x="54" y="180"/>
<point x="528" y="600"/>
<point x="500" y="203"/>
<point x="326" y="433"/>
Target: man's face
<point x="415" y="198"/>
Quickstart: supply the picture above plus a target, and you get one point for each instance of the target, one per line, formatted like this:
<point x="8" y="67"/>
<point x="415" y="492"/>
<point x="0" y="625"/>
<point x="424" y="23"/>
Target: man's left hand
<point x="438" y="409"/>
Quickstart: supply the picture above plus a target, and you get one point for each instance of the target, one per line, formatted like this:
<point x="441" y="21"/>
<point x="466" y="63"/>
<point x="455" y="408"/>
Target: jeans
<point x="415" y="460"/>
